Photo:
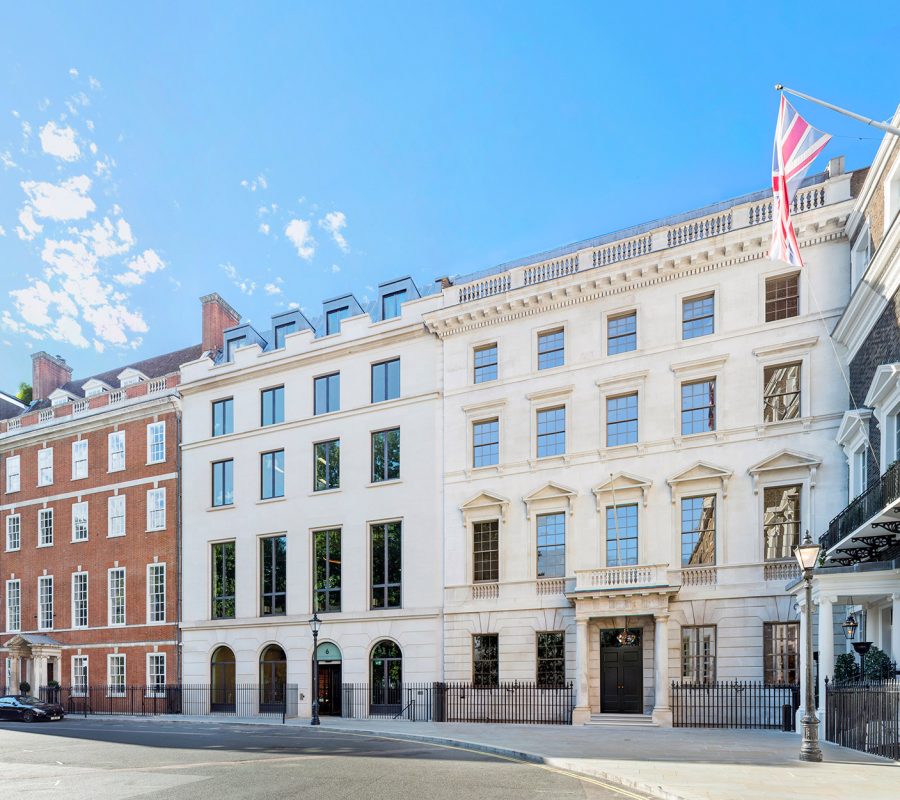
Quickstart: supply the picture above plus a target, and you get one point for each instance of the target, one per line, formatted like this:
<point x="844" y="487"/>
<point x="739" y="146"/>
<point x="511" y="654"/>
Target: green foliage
<point x="878" y="666"/>
<point x="52" y="684"/>
<point x="25" y="393"/>
<point x="24" y="687"/>
<point x="846" y="667"/>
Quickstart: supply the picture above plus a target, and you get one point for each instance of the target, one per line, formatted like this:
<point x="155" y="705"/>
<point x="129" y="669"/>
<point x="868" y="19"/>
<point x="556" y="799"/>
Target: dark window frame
<point x="328" y="384"/>
<point x="274" y="470"/>
<point x="548" y="545"/>
<point x="279" y="576"/>
<point x="385" y="383"/>
<point x="327" y="593"/>
<point x="485" y="370"/>
<point x="332" y="471"/>
<point x="781" y="661"/>
<point x="486" y="453"/>
<point x="283" y="330"/>
<point x="387" y="473"/>
<point x="694" y="533"/>
<point x="227" y="481"/>
<point x="334" y="317"/>
<point x="223" y="601"/>
<point x="486" y="551"/>
<point x="688" y="420"/>
<point x="782" y="297"/>
<point x="390" y="296"/>
<point x="781" y="404"/>
<point x="550" y="666"/>
<point x="269" y="397"/>
<point x="385" y="592"/>
<point x="485" y="660"/>
<point x="698" y="664"/>
<point x="226" y="404"/>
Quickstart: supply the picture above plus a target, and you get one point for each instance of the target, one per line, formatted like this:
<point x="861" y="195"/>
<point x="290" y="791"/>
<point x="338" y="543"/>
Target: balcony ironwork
<point x="872" y="502"/>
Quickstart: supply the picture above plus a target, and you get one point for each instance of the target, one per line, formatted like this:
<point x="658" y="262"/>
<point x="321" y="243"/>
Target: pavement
<point x="668" y="763"/>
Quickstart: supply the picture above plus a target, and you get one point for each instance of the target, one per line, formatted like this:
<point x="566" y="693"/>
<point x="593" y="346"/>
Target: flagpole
<point x="874" y="123"/>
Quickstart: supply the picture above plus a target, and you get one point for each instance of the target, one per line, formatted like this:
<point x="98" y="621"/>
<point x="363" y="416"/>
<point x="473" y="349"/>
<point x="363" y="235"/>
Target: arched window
<point x="387" y="677"/>
<point x="272" y="678"/>
<point x="222" y="682"/>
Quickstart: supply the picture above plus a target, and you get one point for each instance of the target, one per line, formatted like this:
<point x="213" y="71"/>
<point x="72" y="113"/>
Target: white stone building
<point x="636" y="431"/>
<point x="315" y="453"/>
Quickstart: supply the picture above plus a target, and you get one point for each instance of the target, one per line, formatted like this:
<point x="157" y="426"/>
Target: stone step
<point x="640" y="720"/>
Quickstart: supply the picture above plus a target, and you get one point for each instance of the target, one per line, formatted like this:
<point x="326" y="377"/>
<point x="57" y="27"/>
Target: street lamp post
<point x="807" y="555"/>
<point x="315" y="624"/>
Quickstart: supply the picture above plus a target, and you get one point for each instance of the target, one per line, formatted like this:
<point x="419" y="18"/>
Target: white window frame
<point x="79" y="687"/>
<point x="77" y="508"/>
<point x="45" y="513"/>
<point x="860" y="254"/>
<point x="115" y="461"/>
<point x="45" y="612"/>
<point x="154" y="442"/>
<point x="545" y="401"/>
<point x="154" y="508"/>
<point x="79" y="459"/>
<point x="112" y="688"/>
<point x="13" y="474"/>
<point x="113" y="529"/>
<point x="155" y="689"/>
<point x="14" y="591"/>
<point x="110" y="601"/>
<point x="45" y="469"/>
<point x="13" y="521"/>
<point x="75" y="600"/>
<point x="151" y="568"/>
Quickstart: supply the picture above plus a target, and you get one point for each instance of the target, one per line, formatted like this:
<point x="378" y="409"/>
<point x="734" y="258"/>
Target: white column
<point x="662" y="713"/>
<point x="895" y="626"/>
<point x="826" y="649"/>
<point x="582" y="711"/>
<point x="14" y="678"/>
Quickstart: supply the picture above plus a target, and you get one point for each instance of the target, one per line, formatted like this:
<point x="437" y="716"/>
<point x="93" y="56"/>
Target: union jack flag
<point x="797" y="144"/>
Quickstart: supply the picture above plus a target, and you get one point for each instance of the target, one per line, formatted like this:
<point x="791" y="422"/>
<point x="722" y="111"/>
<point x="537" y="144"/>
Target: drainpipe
<point x="178" y="538"/>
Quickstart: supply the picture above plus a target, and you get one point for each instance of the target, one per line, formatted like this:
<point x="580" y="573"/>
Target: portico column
<point x="662" y="713"/>
<point x="895" y="627"/>
<point x="582" y="711"/>
<point x="14" y="680"/>
<point x="826" y="649"/>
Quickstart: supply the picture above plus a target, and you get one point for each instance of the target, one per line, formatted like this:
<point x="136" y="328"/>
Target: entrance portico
<point x="621" y="636"/>
<point x="35" y="658"/>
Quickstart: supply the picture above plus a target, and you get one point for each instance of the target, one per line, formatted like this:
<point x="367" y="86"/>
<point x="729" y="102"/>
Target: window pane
<point x="273" y="580"/>
<point x="698" y="654"/>
<point x="328" y="393"/>
<point x="486" y="443"/>
<point x="551" y="659"/>
<point x="551" y="545"/>
<point x="223" y="589"/>
<point x="621" y="535"/>
<point x="386" y="565"/>
<point x="333" y="319"/>
<point x="390" y="304"/>
<point x="283" y="330"/>
<point x="551" y="432"/>
<point x="273" y="475"/>
<point x="698" y="407"/>
<point x="485" y="546"/>
<point x="697" y="317"/>
<point x="223" y="417"/>
<point x="781" y="392"/>
<point x="272" y="406"/>
<point x="698" y="531"/>
<point x="386" y="455"/>
<point x="781" y="653"/>
<point x="327" y="578"/>
<point x="328" y="465"/>
<point x="485" y="660"/>
<point x="782" y="297"/>
<point x="486" y="363"/>
<point x="551" y="349"/>
<point x="781" y="521"/>
<point x="621" y="420"/>
<point x="621" y="334"/>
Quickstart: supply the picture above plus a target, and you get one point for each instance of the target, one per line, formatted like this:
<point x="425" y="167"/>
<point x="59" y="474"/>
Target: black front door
<point x="330" y="690"/>
<point x="621" y="671"/>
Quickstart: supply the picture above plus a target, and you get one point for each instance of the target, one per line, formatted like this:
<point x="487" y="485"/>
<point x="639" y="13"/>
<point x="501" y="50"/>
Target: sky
<point x="285" y="153"/>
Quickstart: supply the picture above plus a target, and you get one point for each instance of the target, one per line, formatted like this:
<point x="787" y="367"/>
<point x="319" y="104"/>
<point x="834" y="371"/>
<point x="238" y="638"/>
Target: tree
<point x="25" y="393"/>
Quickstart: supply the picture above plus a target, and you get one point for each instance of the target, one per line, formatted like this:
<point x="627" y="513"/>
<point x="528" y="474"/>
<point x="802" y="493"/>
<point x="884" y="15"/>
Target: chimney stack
<point x="48" y="373"/>
<point x="218" y="317"/>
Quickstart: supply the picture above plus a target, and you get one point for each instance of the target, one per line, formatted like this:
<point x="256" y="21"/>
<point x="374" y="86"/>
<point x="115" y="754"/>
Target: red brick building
<point x="89" y="497"/>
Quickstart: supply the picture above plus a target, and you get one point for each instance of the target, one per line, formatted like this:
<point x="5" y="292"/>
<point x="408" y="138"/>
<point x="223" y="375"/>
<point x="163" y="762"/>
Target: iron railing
<point x="864" y="715"/>
<point x="868" y="505"/>
<point x="240" y="700"/>
<point x="514" y="703"/>
<point x="734" y="704"/>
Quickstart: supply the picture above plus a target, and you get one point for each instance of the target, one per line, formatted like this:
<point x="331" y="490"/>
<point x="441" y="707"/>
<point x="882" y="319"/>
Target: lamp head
<point x="849" y="626"/>
<point x="807" y="554"/>
<point x="315" y="624"/>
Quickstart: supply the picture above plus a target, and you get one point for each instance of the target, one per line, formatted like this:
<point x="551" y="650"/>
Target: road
<point x="119" y="759"/>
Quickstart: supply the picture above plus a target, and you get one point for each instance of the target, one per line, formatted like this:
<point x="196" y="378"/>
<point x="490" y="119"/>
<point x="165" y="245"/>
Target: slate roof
<point x="9" y="406"/>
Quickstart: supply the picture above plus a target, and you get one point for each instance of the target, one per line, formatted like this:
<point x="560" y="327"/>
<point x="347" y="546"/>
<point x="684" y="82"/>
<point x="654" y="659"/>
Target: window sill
<point x="79" y="477"/>
<point x="13" y="550"/>
<point x="115" y="535"/>
<point x="45" y="545"/>
<point x="118" y="469"/>
<point x="264" y="501"/>
<point x="153" y="530"/>
<point x="153" y="463"/>
<point x="319" y="492"/>
<point x="558" y="458"/>
<point x="391" y="482"/>
<point x="224" y="507"/>
<point x="78" y="541"/>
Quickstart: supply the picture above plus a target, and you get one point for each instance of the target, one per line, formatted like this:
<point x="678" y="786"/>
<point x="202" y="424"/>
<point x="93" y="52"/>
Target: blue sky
<point x="284" y="153"/>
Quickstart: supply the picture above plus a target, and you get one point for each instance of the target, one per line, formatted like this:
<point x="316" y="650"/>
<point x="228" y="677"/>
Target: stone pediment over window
<point x="885" y="386"/>
<point x="785" y="460"/>
<point x="701" y="471"/>
<point x="624" y="485"/>
<point x="854" y="428"/>
<point x="130" y="376"/>
<point x="60" y="396"/>
<point x="485" y="503"/>
<point x="550" y="494"/>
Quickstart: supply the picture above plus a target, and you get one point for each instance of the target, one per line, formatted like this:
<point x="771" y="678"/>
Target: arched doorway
<point x="272" y="678"/>
<point x="329" y="679"/>
<point x="222" y="683"/>
<point x="387" y="678"/>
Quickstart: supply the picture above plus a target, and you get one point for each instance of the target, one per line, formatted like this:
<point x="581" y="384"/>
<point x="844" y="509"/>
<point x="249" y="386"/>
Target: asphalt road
<point x="114" y="760"/>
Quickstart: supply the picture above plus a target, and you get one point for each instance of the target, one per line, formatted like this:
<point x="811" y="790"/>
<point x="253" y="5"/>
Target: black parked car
<point x="29" y="709"/>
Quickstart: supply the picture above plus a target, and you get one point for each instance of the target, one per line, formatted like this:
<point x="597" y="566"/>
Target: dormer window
<point x="94" y="391"/>
<point x="233" y="344"/>
<point x="333" y="319"/>
<point x="59" y="397"/>
<point x="93" y="387"/>
<point x="130" y="377"/>
<point x="59" y="400"/>
<point x="281" y="331"/>
<point x="390" y="304"/>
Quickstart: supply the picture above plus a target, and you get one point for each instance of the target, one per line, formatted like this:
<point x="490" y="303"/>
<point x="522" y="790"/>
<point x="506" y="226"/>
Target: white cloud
<point x="297" y="231"/>
<point x="335" y="268"/>
<point x="63" y="201"/>
<point x="139" y="267"/>
<point x="6" y="160"/>
<point x="259" y="182"/>
<point x="334" y="222"/>
<point x="90" y="124"/>
<point x="245" y="285"/>
<point x="73" y="72"/>
<point x="94" y="83"/>
<point x="264" y="228"/>
<point x="108" y="238"/>
<point x="29" y="227"/>
<point x="59" y="142"/>
<point x="2" y="231"/>
<point x="272" y="289"/>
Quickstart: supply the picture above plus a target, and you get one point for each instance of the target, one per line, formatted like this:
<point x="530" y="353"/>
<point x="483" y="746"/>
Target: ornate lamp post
<point x="807" y="555"/>
<point x="315" y="624"/>
<point x="849" y="626"/>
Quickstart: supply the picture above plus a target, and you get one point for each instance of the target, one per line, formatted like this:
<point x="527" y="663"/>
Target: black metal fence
<point x="241" y="700"/>
<point x="513" y="703"/>
<point x="734" y="704"/>
<point x="864" y="715"/>
<point x="877" y="496"/>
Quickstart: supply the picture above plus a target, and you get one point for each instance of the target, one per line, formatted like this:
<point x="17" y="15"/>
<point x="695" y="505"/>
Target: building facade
<point x="637" y="430"/>
<point x="313" y="453"/>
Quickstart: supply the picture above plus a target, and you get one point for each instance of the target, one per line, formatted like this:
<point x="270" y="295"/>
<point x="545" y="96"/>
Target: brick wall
<point x="133" y="551"/>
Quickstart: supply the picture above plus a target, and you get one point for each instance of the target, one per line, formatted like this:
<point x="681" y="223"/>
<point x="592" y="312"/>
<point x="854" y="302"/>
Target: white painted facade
<point x="742" y="590"/>
<point x="413" y="499"/>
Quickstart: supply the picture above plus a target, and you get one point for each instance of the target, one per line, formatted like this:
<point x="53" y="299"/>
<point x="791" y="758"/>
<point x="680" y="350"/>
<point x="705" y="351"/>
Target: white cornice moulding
<point x="699" y="365"/>
<point x="798" y="345"/>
